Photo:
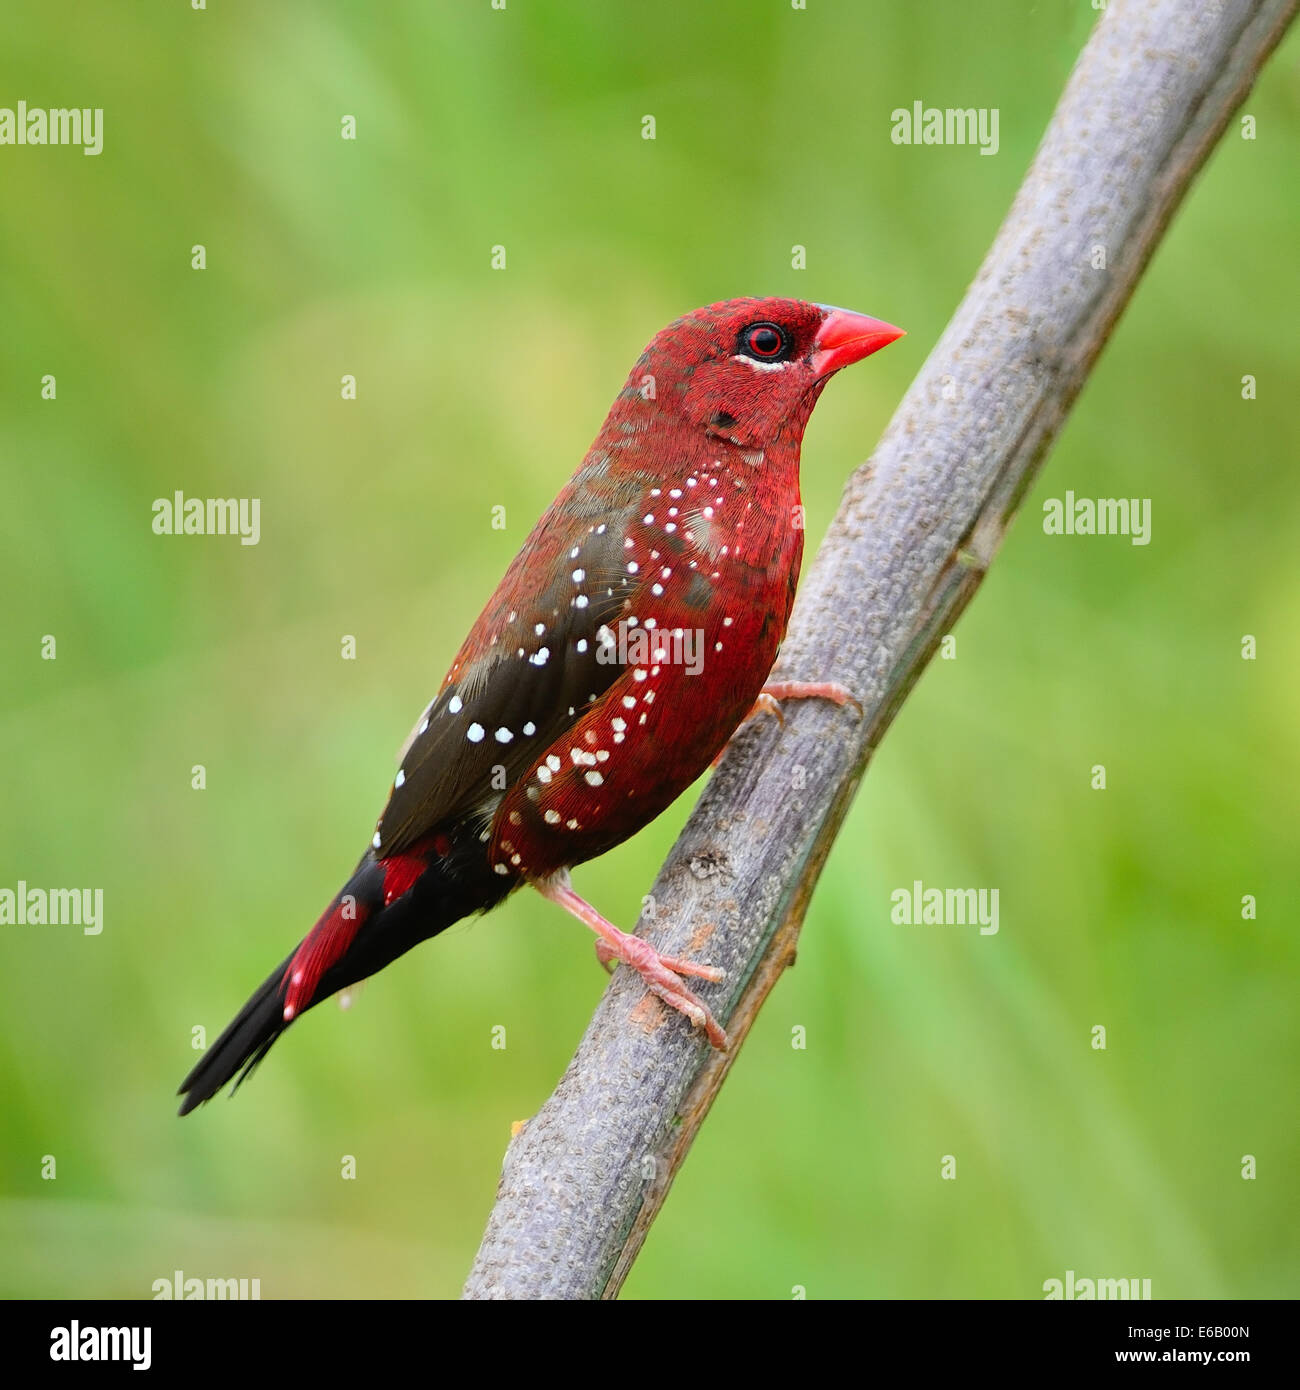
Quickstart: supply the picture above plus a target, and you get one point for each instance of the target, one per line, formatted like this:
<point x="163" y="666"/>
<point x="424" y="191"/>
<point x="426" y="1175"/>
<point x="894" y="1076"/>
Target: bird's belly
<point x="683" y="692"/>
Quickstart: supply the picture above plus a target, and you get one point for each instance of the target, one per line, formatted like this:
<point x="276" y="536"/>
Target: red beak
<point x="846" y="337"/>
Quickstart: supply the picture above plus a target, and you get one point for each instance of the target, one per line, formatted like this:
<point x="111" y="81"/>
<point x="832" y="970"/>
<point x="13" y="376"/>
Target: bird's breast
<point x="715" y="559"/>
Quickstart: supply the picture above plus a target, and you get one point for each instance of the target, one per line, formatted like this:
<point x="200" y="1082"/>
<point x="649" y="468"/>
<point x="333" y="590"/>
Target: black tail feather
<point x="241" y="1047"/>
<point x="452" y="887"/>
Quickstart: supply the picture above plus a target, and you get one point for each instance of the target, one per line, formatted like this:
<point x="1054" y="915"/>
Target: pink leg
<point x="808" y="690"/>
<point x="662" y="974"/>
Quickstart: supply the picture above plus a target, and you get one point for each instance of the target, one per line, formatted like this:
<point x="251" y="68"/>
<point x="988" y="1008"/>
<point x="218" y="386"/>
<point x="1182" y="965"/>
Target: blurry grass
<point x="819" y="1167"/>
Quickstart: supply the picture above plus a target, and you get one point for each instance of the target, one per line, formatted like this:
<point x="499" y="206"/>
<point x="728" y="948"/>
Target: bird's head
<point x="750" y="370"/>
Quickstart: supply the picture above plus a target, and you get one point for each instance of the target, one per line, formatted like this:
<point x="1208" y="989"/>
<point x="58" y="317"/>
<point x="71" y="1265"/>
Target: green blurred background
<point x="819" y="1167"/>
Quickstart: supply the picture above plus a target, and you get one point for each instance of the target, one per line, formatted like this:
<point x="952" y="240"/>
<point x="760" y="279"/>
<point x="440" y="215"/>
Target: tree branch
<point x="916" y="529"/>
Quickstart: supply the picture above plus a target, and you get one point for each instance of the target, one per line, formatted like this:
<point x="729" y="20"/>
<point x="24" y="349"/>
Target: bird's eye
<point x="764" y="341"/>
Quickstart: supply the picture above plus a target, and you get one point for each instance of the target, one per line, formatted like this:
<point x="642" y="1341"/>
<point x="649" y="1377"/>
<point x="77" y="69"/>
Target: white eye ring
<point x="761" y="366"/>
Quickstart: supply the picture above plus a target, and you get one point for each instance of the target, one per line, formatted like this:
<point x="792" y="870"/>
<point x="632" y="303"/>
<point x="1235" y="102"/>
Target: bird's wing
<point x="541" y="653"/>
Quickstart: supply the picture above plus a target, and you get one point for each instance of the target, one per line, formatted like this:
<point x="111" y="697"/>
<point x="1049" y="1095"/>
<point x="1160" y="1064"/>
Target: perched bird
<point x="629" y="638"/>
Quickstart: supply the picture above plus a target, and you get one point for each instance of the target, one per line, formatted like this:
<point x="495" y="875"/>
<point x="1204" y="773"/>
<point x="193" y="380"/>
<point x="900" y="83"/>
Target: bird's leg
<point x="662" y="974"/>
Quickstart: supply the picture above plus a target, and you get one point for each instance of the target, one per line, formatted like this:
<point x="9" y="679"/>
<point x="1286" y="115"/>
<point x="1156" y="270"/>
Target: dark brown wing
<point x="541" y="653"/>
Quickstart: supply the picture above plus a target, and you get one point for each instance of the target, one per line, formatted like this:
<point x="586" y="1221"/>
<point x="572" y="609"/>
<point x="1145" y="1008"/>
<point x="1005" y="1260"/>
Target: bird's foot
<point x="770" y="697"/>
<point x="662" y="974"/>
<point x="807" y="690"/>
<point x="609" y="957"/>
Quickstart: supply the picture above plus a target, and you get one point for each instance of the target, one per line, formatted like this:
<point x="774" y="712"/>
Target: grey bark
<point x="917" y="527"/>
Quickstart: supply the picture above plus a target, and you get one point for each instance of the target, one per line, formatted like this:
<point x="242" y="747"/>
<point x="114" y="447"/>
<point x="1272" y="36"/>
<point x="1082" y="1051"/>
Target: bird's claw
<point x="662" y="976"/>
<point x="767" y="704"/>
<point x="609" y="958"/>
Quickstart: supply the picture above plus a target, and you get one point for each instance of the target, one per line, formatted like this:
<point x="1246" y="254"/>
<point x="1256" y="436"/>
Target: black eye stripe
<point x="764" y="342"/>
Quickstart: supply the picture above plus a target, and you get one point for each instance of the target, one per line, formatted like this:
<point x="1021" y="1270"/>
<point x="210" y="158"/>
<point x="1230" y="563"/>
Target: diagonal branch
<point x="916" y="529"/>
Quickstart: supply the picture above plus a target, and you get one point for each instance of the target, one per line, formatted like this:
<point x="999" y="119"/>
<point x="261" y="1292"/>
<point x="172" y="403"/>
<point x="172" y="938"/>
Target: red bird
<point x="630" y="637"/>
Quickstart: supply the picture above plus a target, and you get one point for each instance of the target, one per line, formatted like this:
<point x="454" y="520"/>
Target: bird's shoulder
<point x="540" y="654"/>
